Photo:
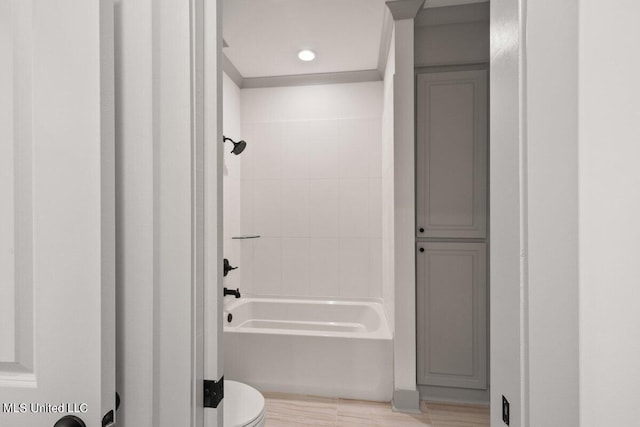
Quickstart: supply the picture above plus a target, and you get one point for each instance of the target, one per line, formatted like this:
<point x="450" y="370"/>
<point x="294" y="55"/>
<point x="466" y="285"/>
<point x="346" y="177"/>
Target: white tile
<point x="231" y="165"/>
<point x="246" y="207"/>
<point x="323" y="149"/>
<point x="374" y="138"/>
<point x="375" y="207"/>
<point x="375" y="269"/>
<point x="246" y="264"/>
<point x="247" y="156"/>
<point x="231" y="251"/>
<point x="312" y="102"/>
<point x="295" y="150"/>
<point x="324" y="214"/>
<point x="231" y="202"/>
<point x="354" y="267"/>
<point x="267" y="268"/>
<point x="295" y="208"/>
<point x="355" y="150"/>
<point x="295" y="266"/>
<point x="354" y="208"/>
<point x="387" y="208"/>
<point x="319" y="131"/>
<point x="267" y="205"/>
<point x="324" y="267"/>
<point x="267" y="150"/>
<point x="387" y="157"/>
<point x="232" y="162"/>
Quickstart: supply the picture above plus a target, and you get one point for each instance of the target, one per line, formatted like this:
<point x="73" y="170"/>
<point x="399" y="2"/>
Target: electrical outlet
<point x="505" y="410"/>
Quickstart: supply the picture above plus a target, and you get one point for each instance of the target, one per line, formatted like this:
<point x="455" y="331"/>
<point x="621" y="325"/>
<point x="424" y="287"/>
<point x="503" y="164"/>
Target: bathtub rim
<point x="384" y="332"/>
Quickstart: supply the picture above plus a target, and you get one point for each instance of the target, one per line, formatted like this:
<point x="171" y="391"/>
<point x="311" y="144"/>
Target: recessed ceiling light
<point x="306" y="55"/>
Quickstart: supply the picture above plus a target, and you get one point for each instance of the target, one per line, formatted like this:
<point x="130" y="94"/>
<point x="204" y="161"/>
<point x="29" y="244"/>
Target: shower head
<point x="238" y="147"/>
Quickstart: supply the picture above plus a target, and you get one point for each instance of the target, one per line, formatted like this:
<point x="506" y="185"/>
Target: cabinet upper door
<point x="57" y="213"/>
<point x="452" y="154"/>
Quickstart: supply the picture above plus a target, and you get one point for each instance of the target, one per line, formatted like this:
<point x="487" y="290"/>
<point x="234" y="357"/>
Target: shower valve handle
<point x="227" y="267"/>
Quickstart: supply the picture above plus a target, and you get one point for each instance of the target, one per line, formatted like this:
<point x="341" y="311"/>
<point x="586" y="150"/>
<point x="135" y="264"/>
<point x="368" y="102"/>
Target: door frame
<point x="167" y="232"/>
<point x="534" y="212"/>
<point x="210" y="53"/>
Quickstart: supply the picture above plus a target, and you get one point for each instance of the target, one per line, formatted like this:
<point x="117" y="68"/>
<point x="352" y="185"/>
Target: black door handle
<point x="70" y="421"/>
<point x="109" y="417"/>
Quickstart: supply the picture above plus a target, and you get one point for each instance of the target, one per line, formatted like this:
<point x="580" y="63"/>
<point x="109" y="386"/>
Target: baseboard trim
<point x="406" y="401"/>
<point x="454" y="395"/>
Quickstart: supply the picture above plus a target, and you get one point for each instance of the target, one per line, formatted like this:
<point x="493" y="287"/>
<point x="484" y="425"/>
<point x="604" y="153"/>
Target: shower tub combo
<point x="307" y="346"/>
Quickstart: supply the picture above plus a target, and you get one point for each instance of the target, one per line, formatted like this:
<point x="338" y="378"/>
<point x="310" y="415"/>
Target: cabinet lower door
<point x="452" y="318"/>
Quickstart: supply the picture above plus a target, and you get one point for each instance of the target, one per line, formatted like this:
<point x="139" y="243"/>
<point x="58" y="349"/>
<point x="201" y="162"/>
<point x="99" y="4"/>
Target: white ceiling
<point x="264" y="36"/>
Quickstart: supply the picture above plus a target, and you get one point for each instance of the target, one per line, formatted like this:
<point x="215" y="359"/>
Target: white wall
<point x="388" y="248"/>
<point x="551" y="203"/>
<point x="231" y="181"/>
<point x="569" y="280"/>
<point x="609" y="125"/>
<point x="311" y="187"/>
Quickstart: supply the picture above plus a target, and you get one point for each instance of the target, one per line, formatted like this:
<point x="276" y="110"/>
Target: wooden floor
<point x="288" y="410"/>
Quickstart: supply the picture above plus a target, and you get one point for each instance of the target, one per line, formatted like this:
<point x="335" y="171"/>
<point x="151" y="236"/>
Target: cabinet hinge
<point x="213" y="392"/>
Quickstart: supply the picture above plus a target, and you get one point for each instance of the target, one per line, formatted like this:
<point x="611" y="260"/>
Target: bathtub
<point x="326" y="348"/>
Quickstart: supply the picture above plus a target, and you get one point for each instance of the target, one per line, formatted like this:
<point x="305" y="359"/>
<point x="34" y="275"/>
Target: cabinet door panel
<point x="452" y="319"/>
<point x="452" y="154"/>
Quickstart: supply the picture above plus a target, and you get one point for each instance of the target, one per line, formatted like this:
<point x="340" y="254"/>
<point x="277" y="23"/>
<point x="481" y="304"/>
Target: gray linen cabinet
<point x="451" y="228"/>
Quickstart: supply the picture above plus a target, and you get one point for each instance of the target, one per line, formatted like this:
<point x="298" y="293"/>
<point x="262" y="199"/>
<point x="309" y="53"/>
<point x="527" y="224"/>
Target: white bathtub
<point x="306" y="346"/>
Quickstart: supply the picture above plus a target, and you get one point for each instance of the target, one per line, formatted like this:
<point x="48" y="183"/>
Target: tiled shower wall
<point x="311" y="188"/>
<point x="231" y="180"/>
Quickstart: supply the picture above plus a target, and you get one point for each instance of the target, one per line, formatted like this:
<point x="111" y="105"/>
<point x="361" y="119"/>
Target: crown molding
<point x="312" y="79"/>
<point x="231" y="71"/>
<point x="297" y="79"/>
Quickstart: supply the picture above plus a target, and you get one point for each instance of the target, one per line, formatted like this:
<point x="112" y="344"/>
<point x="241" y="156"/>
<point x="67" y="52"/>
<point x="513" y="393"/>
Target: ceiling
<point x="264" y="36"/>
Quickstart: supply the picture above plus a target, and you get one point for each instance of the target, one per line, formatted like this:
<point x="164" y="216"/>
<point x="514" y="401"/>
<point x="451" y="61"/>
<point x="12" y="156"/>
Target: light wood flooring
<point x="289" y="410"/>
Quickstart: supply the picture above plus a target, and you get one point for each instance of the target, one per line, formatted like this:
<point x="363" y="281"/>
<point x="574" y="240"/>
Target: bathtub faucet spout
<point x="235" y="293"/>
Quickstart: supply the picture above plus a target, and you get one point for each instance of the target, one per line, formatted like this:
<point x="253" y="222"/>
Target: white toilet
<point x="243" y="405"/>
